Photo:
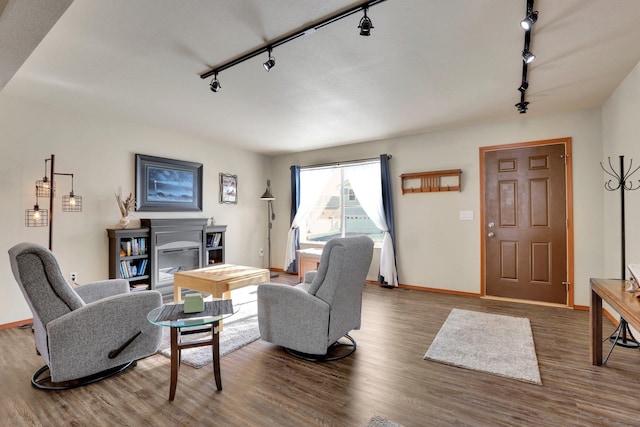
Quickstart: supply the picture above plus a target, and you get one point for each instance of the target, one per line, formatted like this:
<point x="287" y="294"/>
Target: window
<point x="337" y="212"/>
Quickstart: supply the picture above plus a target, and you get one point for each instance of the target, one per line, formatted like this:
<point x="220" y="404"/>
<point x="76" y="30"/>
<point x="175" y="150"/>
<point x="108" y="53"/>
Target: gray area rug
<point x="377" y="421"/>
<point x="238" y="331"/>
<point x="497" y="344"/>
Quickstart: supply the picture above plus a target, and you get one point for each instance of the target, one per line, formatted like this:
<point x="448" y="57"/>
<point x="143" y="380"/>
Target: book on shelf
<point x="139" y="286"/>
<point x="213" y="240"/>
<point x="133" y="247"/>
<point x="130" y="269"/>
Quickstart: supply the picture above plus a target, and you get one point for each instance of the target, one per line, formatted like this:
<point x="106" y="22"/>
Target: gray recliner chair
<point x="309" y="319"/>
<point x="84" y="333"/>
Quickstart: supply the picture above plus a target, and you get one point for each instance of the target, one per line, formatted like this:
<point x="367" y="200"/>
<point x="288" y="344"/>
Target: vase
<point x="124" y="222"/>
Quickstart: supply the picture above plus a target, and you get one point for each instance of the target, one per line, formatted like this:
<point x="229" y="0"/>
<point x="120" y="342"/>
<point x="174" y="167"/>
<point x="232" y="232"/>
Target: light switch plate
<point x="466" y="215"/>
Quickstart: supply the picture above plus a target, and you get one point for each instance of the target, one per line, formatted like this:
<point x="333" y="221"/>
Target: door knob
<point x="491" y="234"/>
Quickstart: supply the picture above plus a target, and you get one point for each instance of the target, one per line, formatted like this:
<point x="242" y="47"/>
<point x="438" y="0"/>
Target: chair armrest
<point x="84" y="337"/>
<point x="104" y="288"/>
<point x="309" y="276"/>
<point x="289" y="298"/>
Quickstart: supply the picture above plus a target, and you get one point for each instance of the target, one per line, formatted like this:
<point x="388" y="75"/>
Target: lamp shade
<point x="267" y="193"/>
<point x="36" y="217"/>
<point x="72" y="203"/>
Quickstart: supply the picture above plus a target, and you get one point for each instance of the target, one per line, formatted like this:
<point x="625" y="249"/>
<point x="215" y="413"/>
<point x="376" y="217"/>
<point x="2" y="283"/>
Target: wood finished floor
<point x="386" y="376"/>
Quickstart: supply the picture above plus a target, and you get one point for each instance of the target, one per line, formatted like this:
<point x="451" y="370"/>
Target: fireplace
<point x="176" y="245"/>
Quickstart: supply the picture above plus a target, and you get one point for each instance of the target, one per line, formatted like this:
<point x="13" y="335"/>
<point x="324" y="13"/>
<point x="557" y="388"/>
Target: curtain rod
<point x="346" y="162"/>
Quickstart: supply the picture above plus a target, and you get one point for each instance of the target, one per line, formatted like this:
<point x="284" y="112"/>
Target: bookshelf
<point x="129" y="256"/>
<point x="214" y="244"/>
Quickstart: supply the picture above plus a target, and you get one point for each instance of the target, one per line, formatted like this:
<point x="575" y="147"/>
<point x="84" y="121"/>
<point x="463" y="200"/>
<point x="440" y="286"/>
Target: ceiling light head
<point x="527" y="56"/>
<point x="215" y="83"/>
<point x="270" y="63"/>
<point x="528" y="22"/>
<point x="365" y="24"/>
<point x="522" y="107"/>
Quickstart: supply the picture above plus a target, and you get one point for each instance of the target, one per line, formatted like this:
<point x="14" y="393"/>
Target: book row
<point x="132" y="247"/>
<point x="213" y="240"/>
<point x="128" y="269"/>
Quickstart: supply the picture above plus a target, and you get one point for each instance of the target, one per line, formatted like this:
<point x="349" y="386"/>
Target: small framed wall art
<point x="228" y="188"/>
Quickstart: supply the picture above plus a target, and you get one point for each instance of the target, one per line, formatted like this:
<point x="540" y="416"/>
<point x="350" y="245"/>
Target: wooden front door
<point x="525" y="223"/>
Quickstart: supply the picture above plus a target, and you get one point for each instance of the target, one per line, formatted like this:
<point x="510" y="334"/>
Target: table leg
<point x="175" y="354"/>
<point x="595" y="321"/>
<point x="177" y="293"/>
<point x="215" y="348"/>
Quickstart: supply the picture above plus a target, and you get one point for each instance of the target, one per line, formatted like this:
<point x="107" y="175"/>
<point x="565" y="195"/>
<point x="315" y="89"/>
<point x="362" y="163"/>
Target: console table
<point x="308" y="260"/>
<point x="611" y="291"/>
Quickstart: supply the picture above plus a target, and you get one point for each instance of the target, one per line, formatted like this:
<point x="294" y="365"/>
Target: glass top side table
<point x="208" y="322"/>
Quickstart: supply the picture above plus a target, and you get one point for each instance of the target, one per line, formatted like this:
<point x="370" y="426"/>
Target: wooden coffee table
<point x="218" y="280"/>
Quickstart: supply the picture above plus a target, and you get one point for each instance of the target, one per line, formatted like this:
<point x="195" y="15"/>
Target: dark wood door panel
<point x="525" y="211"/>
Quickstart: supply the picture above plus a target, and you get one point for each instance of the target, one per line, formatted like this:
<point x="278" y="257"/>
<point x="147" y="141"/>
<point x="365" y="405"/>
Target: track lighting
<point x="365" y="24"/>
<point x="528" y="22"/>
<point x="365" y="27"/>
<point x="270" y="63"/>
<point x="215" y="84"/>
<point x="527" y="56"/>
<point x="522" y="107"/>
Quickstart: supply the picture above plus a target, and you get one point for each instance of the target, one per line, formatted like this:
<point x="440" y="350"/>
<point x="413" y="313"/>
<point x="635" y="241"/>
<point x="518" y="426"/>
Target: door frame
<point x="568" y="203"/>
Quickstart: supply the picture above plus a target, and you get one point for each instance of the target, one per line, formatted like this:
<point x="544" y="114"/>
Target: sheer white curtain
<point x="312" y="182"/>
<point x="366" y="184"/>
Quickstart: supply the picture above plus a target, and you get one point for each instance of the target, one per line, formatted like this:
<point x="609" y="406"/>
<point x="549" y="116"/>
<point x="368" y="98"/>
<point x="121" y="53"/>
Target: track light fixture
<point x="215" y="84"/>
<point x="365" y="30"/>
<point x="529" y="20"/>
<point x="270" y="63"/>
<point x="522" y="107"/>
<point x="527" y="55"/>
<point x="365" y="24"/>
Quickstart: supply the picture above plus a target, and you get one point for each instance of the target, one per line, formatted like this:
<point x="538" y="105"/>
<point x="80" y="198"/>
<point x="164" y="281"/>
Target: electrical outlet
<point x="73" y="277"/>
<point x="261" y="252"/>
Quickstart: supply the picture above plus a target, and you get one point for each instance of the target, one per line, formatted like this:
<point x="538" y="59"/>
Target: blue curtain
<point x="295" y="204"/>
<point x="387" y="202"/>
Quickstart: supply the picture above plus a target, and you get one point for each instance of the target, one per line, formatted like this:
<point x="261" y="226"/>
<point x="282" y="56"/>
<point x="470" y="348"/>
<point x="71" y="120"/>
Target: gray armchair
<point x="309" y="319"/>
<point x="84" y="333"/>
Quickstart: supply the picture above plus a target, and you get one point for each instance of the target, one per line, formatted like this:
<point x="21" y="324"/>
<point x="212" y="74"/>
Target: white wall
<point x="434" y="248"/>
<point x="101" y="153"/>
<point x="621" y="138"/>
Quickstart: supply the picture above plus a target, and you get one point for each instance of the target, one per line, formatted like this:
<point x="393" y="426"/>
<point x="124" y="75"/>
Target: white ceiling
<point x="428" y="64"/>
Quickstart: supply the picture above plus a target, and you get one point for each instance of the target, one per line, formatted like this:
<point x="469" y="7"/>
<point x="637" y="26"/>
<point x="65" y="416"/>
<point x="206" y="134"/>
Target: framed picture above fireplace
<point x="167" y="185"/>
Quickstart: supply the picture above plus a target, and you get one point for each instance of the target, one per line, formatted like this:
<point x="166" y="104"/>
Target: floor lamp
<point x="45" y="187"/>
<point x="622" y="336"/>
<point x="271" y="216"/>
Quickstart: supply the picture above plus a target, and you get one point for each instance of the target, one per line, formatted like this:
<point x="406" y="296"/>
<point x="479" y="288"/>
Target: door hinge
<point x="566" y="286"/>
